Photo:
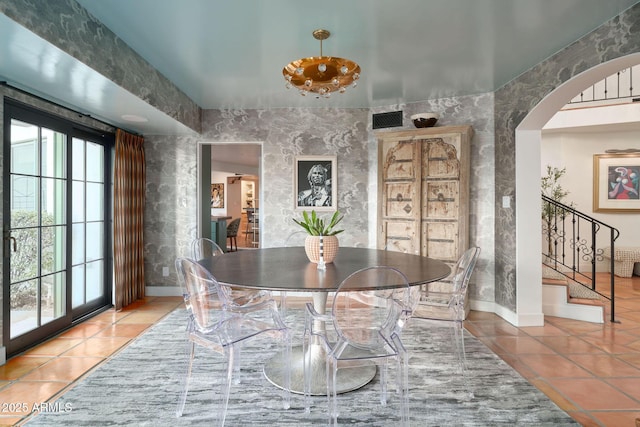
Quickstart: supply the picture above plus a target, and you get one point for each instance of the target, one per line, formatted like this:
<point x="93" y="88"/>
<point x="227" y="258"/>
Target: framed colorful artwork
<point x="217" y="196"/>
<point x="616" y="185"/>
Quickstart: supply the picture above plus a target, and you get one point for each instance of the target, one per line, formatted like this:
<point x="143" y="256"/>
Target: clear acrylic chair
<point x="202" y="248"/>
<point x="217" y="323"/>
<point x="449" y="307"/>
<point x="295" y="239"/>
<point x="363" y="327"/>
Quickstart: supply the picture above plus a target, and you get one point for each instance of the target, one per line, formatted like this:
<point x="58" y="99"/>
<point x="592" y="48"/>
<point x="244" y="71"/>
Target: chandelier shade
<point x="321" y="75"/>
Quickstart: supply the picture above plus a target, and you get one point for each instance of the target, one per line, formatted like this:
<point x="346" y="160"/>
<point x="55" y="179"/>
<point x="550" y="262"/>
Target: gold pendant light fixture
<point x="321" y="75"/>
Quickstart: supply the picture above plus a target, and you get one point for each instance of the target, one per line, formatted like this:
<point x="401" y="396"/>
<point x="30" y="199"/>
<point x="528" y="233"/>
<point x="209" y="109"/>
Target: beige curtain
<point x="128" y="218"/>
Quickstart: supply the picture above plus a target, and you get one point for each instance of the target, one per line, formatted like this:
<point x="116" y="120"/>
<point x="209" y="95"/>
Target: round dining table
<point x="289" y="270"/>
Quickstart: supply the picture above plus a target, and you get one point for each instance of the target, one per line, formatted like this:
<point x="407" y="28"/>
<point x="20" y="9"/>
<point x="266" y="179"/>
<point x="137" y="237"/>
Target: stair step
<point x="571" y="299"/>
<point x="559" y="282"/>
<point x="557" y="302"/>
<point x="586" y="301"/>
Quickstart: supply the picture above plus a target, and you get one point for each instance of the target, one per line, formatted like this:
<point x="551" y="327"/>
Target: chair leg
<point x="231" y="364"/>
<point x="306" y="362"/>
<point x="384" y="375"/>
<point x="458" y="337"/>
<point x="286" y="391"/>
<point x="183" y="397"/>
<point x="462" y="357"/>
<point x="332" y="397"/>
<point x="236" y="364"/>
<point x="235" y="361"/>
<point x="403" y="373"/>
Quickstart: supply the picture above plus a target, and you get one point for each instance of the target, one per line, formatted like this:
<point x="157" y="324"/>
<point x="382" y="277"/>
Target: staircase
<point x="563" y="298"/>
<point x="572" y="253"/>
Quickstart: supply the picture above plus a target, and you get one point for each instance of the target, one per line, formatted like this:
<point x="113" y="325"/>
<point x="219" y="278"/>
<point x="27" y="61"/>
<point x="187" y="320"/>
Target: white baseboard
<point x="485" y="306"/>
<point x="516" y="319"/>
<point x="528" y="319"/>
<point x="3" y="355"/>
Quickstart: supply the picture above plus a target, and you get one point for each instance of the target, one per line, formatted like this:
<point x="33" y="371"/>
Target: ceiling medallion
<point x="321" y="75"/>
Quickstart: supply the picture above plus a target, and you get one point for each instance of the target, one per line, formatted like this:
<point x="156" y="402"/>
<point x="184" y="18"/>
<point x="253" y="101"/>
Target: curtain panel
<point x="128" y="218"/>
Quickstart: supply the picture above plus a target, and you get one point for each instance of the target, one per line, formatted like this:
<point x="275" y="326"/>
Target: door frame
<point x="204" y="169"/>
<point x="23" y="111"/>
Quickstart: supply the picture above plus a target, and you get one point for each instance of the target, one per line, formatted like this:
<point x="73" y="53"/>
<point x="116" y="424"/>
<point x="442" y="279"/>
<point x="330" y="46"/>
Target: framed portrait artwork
<point x="217" y="196"/>
<point x="315" y="183"/>
<point x="615" y="182"/>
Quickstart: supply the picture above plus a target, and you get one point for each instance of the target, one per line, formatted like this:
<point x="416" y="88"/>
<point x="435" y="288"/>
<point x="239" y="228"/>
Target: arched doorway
<point x="527" y="143"/>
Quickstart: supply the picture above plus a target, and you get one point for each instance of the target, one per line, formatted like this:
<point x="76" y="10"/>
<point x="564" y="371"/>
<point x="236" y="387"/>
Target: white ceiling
<point x="230" y="54"/>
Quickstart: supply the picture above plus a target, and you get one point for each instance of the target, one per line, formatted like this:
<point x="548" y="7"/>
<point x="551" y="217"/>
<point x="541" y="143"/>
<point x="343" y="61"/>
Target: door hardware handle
<point x="15" y="244"/>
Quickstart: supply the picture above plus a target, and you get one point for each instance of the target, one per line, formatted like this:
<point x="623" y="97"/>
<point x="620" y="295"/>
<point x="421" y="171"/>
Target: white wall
<point x="233" y="203"/>
<point x="574" y="149"/>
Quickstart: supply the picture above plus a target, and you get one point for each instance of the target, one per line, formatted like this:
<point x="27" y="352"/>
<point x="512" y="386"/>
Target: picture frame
<point x="217" y="196"/>
<point x="615" y="183"/>
<point x="321" y="196"/>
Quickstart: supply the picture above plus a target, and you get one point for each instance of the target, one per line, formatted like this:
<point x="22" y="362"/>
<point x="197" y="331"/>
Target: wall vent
<point x="387" y="120"/>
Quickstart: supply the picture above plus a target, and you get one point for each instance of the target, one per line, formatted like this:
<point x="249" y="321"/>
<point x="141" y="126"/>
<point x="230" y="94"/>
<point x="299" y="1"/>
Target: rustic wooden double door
<point x="424" y="191"/>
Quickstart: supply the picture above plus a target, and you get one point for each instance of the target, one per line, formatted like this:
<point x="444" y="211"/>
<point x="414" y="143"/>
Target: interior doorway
<point x="233" y="170"/>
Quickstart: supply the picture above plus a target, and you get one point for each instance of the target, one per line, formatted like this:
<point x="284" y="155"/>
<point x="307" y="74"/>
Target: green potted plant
<point x="551" y="187"/>
<point x="316" y="227"/>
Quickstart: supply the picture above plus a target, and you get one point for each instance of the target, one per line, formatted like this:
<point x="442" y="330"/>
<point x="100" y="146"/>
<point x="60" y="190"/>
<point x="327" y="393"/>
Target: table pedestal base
<point x="349" y="379"/>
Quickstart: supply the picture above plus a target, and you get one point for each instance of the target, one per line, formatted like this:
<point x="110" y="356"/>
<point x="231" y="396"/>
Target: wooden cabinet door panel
<point x="400" y="236"/>
<point x="440" y="240"/>
<point x="441" y="160"/>
<point x="400" y="161"/>
<point x="400" y="186"/>
<point x="441" y="199"/>
<point x="401" y="200"/>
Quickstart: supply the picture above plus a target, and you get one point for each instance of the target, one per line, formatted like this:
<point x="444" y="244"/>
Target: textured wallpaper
<point x="618" y="37"/>
<point x="287" y="133"/>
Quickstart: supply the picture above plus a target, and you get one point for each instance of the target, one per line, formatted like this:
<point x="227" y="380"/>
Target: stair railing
<point x="571" y="239"/>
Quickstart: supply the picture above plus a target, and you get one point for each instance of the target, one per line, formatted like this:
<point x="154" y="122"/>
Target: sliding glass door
<point x="56" y="186"/>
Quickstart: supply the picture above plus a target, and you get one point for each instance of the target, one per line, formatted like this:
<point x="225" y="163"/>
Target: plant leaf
<point x="316" y="226"/>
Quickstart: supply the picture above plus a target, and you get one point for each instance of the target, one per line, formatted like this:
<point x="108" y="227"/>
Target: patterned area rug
<point x="140" y="386"/>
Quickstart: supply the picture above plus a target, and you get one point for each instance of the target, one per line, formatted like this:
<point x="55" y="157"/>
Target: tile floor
<point x="592" y="371"/>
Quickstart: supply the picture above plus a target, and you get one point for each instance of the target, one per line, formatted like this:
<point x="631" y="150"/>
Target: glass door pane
<point x="38" y="230"/>
<point x="88" y="222"/>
